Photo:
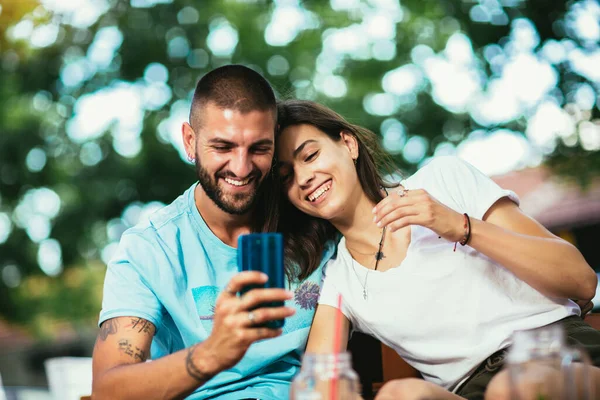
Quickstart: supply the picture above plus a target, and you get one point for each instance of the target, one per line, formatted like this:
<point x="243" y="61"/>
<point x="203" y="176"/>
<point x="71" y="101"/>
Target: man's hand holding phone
<point x="258" y="312"/>
<point x="236" y="318"/>
<point x="263" y="252"/>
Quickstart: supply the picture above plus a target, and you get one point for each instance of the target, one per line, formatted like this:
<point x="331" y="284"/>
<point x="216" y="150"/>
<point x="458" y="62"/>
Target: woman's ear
<point x="351" y="142"/>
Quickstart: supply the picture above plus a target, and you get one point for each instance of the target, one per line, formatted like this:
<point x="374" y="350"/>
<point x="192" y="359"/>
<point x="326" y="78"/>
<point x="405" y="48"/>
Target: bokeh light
<point x="5" y="227"/>
<point x="116" y="79"/>
<point x="50" y="257"/>
<point x="222" y="39"/>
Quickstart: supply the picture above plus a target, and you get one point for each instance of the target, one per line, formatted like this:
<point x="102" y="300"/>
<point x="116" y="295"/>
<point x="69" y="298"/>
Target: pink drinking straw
<point x="337" y="335"/>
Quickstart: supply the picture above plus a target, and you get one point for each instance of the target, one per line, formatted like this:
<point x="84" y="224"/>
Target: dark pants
<point x="579" y="334"/>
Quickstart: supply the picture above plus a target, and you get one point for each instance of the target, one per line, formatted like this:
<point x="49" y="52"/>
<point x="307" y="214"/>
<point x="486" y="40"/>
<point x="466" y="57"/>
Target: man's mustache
<point x="255" y="173"/>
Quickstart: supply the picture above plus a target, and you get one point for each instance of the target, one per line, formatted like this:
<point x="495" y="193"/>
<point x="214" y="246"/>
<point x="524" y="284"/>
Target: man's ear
<point x="351" y="142"/>
<point x="189" y="140"/>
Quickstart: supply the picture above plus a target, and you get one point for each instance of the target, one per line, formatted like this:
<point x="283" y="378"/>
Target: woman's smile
<point x="318" y="195"/>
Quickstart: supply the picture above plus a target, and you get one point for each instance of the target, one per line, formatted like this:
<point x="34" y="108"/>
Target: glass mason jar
<point x="542" y="367"/>
<point x="325" y="376"/>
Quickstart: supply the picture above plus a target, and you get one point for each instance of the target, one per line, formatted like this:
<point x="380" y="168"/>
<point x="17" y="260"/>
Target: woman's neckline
<point x="342" y="244"/>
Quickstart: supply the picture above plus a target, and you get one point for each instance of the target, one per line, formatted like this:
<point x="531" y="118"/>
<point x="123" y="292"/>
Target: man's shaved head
<point x="232" y="87"/>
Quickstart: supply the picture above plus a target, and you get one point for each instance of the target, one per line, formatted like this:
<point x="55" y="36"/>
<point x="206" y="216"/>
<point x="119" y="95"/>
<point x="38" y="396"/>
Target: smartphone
<point x="263" y="252"/>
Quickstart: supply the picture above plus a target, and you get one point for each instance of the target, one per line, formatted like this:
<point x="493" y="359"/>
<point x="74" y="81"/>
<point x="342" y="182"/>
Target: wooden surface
<point x="394" y="367"/>
<point x="593" y="320"/>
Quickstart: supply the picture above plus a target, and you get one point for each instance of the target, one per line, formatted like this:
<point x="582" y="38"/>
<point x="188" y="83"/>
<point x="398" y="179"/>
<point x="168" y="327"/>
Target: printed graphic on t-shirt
<point x="306" y="295"/>
<point x="205" y="298"/>
<point x="305" y="301"/>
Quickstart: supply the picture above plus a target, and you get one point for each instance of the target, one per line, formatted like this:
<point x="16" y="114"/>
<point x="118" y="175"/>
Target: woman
<point x="446" y="239"/>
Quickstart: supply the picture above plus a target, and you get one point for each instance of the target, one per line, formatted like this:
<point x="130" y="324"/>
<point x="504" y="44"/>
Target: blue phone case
<point x="263" y="252"/>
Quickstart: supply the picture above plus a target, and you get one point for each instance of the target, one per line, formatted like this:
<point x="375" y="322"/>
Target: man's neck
<point x="227" y="227"/>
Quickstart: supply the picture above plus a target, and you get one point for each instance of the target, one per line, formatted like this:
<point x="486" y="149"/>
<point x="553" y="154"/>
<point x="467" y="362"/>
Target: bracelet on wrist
<point x="194" y="370"/>
<point x="467" y="232"/>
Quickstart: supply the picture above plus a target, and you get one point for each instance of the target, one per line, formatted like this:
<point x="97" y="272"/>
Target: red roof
<point x="554" y="201"/>
<point x="12" y="336"/>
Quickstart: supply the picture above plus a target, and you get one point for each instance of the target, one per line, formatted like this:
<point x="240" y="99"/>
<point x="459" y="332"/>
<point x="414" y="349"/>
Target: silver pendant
<point x="365" y="294"/>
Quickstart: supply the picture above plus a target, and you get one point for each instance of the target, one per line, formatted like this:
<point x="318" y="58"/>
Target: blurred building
<point x="22" y="356"/>
<point x="562" y="206"/>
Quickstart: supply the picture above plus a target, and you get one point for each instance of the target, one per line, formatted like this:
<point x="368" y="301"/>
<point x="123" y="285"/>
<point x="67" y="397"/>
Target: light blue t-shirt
<point x="170" y="271"/>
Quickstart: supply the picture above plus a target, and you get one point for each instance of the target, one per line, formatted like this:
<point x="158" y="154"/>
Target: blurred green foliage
<point x="36" y="106"/>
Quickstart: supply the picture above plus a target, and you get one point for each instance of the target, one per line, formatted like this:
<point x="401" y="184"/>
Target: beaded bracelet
<point x="467" y="235"/>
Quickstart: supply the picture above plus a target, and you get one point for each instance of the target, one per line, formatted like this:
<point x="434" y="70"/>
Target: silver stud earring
<point x="191" y="158"/>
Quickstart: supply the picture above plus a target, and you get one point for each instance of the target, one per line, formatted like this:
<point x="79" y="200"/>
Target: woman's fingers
<point x="391" y="203"/>
<point x="403" y="222"/>
<point x="399" y="213"/>
<point x="418" y="207"/>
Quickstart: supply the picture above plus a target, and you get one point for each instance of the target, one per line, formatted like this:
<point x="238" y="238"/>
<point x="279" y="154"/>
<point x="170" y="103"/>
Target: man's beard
<point x="236" y="204"/>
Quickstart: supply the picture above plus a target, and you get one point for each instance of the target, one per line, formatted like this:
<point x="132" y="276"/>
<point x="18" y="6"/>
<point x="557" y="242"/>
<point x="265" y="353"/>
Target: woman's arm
<point x="546" y="262"/>
<point x="322" y="332"/>
<point x="506" y="235"/>
<point x="321" y="339"/>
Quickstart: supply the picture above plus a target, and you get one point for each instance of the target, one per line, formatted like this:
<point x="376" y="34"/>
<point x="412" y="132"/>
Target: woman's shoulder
<point x="338" y="262"/>
<point x="442" y="169"/>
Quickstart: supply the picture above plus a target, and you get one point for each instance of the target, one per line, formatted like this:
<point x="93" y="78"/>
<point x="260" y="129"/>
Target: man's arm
<point x="120" y="371"/>
<point x="123" y="344"/>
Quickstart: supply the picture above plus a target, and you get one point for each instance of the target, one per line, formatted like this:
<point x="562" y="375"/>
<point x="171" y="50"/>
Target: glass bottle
<point x="324" y="377"/>
<point x="542" y="367"/>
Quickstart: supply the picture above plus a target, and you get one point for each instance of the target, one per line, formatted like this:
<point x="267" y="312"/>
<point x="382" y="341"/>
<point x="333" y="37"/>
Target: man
<point x="170" y="293"/>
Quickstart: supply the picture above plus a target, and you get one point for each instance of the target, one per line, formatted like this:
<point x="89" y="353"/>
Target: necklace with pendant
<point x="378" y="256"/>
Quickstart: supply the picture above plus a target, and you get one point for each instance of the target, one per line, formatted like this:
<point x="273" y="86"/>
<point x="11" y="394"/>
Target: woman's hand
<point x="417" y="207"/>
<point x="585" y="305"/>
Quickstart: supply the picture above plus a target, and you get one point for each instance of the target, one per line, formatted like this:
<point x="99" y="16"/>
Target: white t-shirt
<point x="444" y="312"/>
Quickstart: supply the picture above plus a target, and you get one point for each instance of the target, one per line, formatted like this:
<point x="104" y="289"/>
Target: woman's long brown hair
<point x="305" y="236"/>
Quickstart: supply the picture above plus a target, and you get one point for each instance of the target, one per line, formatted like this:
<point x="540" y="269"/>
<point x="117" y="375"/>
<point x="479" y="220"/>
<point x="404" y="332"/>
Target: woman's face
<point x="318" y="173"/>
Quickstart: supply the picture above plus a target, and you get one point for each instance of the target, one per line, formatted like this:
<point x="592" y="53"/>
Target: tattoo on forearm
<point x="141" y="325"/>
<point x="108" y="327"/>
<point x="132" y="351"/>
<point x="191" y="369"/>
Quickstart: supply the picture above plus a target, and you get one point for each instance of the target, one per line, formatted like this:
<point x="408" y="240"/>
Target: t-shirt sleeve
<point x="127" y="291"/>
<point x="329" y="292"/>
<point x="463" y="187"/>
